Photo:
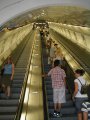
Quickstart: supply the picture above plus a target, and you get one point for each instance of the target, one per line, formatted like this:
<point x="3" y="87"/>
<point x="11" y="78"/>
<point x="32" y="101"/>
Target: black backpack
<point x="85" y="89"/>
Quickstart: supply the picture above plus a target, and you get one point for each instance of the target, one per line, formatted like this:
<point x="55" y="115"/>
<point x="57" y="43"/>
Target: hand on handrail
<point x="44" y="75"/>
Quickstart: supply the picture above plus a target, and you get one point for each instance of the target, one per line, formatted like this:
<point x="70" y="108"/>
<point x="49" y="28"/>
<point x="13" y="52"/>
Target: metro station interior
<point x="21" y="23"/>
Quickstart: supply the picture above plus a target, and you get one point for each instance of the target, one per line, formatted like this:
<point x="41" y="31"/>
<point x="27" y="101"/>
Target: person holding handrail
<point x="58" y="84"/>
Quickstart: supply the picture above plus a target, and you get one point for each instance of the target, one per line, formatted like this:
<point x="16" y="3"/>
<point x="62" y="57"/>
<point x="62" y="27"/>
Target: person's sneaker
<point x="58" y="115"/>
<point x="54" y="114"/>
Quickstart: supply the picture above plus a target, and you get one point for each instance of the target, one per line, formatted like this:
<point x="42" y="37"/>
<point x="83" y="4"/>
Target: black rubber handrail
<point x="70" y="76"/>
<point x="46" y="116"/>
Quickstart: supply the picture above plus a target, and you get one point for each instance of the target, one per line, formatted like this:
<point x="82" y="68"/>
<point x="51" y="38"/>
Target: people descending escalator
<point x="7" y="77"/>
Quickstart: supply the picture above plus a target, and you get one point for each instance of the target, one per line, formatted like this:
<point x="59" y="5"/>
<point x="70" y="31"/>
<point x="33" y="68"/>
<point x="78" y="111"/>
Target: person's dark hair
<point x="80" y="71"/>
<point x="55" y="44"/>
<point x="56" y="63"/>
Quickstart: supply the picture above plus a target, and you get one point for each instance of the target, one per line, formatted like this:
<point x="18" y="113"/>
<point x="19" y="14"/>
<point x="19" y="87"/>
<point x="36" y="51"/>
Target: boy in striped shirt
<point x="86" y="110"/>
<point x="86" y="107"/>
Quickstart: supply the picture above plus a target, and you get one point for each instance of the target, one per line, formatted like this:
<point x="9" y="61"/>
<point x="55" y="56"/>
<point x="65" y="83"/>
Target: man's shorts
<point x="59" y="95"/>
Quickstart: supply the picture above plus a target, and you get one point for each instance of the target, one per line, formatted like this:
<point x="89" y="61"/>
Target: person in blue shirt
<point x="8" y="76"/>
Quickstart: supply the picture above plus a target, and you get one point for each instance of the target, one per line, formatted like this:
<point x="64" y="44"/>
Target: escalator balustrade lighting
<point x="36" y="54"/>
<point x="26" y="95"/>
<point x="29" y="77"/>
<point x="23" y="116"/>
<point x="36" y="65"/>
<point x="35" y="92"/>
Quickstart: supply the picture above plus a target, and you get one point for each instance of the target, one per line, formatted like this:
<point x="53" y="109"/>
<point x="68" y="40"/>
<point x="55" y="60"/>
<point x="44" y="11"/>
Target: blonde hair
<point x="59" y="53"/>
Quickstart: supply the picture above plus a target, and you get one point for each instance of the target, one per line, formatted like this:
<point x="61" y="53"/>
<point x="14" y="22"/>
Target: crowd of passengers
<point x="58" y="77"/>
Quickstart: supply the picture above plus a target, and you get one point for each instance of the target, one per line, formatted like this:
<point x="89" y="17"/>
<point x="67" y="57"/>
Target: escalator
<point x="68" y="109"/>
<point x="79" y="53"/>
<point x="10" y="107"/>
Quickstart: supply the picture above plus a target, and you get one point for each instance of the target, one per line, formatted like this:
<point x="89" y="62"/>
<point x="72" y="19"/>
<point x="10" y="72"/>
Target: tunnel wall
<point x="9" y="40"/>
<point x="77" y="34"/>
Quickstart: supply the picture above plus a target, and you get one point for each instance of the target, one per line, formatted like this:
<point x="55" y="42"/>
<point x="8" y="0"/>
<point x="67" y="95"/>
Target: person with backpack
<point x="79" y="97"/>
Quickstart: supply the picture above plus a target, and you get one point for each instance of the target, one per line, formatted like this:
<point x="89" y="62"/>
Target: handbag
<point x="2" y="71"/>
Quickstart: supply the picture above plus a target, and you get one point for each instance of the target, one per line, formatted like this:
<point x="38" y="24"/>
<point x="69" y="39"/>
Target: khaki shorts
<point x="59" y="95"/>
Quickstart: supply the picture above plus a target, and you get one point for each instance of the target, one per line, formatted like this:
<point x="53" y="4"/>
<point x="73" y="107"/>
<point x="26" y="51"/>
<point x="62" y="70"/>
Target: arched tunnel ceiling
<point x="71" y="12"/>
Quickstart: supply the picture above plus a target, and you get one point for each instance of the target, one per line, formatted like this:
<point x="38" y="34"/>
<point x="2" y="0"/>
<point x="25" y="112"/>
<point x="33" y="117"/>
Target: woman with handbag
<point x="79" y="97"/>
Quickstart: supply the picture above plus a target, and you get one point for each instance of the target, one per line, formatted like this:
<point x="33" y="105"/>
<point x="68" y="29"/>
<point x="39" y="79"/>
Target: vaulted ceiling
<point x="21" y="12"/>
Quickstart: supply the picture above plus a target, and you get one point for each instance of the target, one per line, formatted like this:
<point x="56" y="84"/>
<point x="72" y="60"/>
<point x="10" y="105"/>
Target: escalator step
<point x="15" y="90"/>
<point x="18" y="77"/>
<point x="10" y="109"/>
<point x="70" y="110"/>
<point x="7" y="117"/>
<point x="13" y="96"/>
<point x="9" y="102"/>
<point x="17" y="81"/>
<point x="16" y="85"/>
<point x="65" y="118"/>
<point x="67" y="104"/>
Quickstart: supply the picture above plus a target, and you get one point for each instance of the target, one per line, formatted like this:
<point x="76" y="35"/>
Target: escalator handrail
<point x="67" y="83"/>
<point x="46" y="117"/>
